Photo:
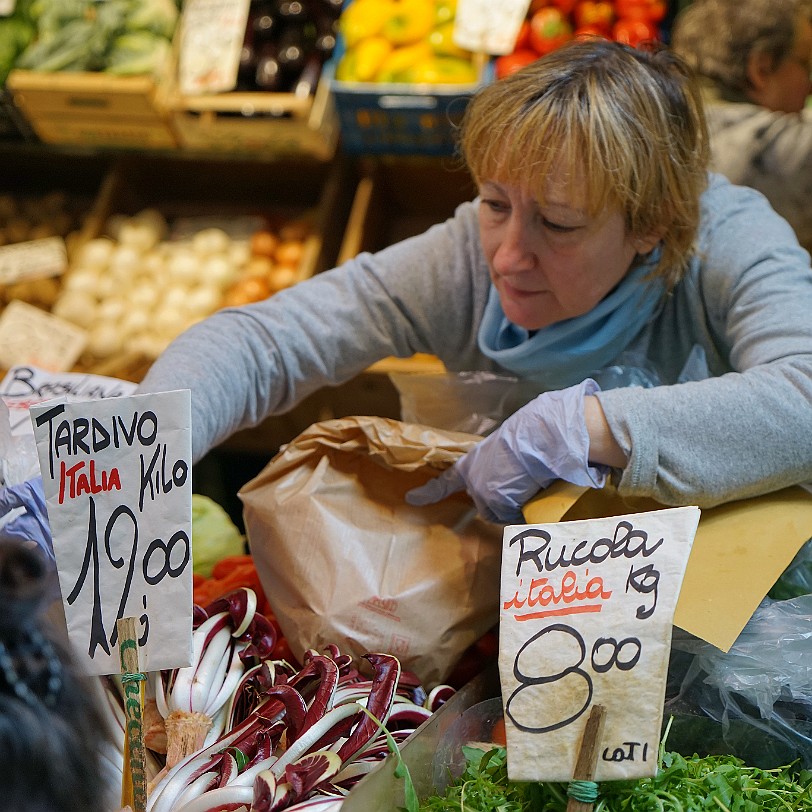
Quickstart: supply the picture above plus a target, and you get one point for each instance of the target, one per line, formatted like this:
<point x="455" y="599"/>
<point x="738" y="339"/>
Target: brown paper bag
<point x="343" y="559"/>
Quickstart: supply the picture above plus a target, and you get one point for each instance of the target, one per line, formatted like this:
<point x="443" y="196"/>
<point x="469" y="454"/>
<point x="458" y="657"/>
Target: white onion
<point x="218" y="270"/>
<point x="112" y="308"/>
<point x="125" y="259"/>
<point x="77" y="306"/>
<point x="143" y="295"/>
<point x="136" y="321"/>
<point x="183" y="266"/>
<point x="202" y="301"/>
<point x="96" y="253"/>
<point x="105" y="339"/>
<point x="84" y="280"/>
<point x="211" y="241"/>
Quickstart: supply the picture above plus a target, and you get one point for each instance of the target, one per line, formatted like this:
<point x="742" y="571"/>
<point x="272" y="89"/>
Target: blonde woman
<point x="755" y="58"/>
<point x="598" y="241"/>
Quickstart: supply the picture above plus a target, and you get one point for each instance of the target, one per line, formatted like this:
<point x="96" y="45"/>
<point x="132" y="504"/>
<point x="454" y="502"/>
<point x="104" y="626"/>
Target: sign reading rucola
<point x="586" y="617"/>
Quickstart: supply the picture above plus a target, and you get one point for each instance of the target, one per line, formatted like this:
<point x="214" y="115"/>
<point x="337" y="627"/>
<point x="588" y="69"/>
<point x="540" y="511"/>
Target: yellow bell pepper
<point x="411" y="21"/>
<point x="443" y="70"/>
<point x="401" y="60"/>
<point x="445" y="11"/>
<point x="364" y="18"/>
<point x="442" y="42"/>
<point x="370" y="54"/>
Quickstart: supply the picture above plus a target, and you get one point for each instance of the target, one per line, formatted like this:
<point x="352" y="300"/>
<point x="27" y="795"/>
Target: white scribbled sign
<point x="488" y="27"/>
<point x="118" y="485"/>
<point x="586" y="618"/>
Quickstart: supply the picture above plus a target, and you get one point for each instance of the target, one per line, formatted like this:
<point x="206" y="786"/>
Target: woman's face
<point x="551" y="262"/>
<point x="786" y="88"/>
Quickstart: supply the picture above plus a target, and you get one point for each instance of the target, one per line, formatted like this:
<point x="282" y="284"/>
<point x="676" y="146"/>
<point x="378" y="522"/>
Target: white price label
<point x="487" y="27"/>
<point x="34" y="259"/>
<point x="117" y="476"/>
<point x="586" y="615"/>
<point x="29" y="335"/>
<point x="211" y="37"/>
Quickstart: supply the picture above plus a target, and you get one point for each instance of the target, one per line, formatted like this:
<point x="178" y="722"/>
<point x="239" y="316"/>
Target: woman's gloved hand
<point x="32" y="523"/>
<point x="543" y="441"/>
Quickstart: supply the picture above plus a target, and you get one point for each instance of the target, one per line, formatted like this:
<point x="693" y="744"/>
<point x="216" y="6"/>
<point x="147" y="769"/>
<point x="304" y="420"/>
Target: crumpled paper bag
<point x="344" y="560"/>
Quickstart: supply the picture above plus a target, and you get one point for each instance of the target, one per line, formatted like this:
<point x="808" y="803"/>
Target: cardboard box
<point x="94" y="109"/>
<point x="207" y="192"/>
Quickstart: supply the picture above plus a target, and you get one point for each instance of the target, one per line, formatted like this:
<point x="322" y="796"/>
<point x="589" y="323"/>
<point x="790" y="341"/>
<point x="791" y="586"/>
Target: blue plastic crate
<point x="399" y="119"/>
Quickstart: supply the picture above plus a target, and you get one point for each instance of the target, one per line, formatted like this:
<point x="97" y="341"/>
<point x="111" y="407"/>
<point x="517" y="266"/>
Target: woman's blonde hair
<point x="628" y="122"/>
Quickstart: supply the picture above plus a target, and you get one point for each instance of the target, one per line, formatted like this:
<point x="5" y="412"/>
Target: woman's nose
<point x="514" y="252"/>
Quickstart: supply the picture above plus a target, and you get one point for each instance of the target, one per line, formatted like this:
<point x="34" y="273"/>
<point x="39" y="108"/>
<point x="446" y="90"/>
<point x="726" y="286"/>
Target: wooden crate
<point x="256" y="123"/>
<point x="399" y="198"/>
<point x="222" y="188"/>
<point x="94" y="109"/>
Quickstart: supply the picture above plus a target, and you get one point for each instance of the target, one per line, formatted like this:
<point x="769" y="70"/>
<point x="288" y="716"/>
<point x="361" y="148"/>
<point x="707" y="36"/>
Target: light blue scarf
<point x="568" y="351"/>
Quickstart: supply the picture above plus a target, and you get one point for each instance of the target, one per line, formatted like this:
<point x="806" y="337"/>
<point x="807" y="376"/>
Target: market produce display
<point x="139" y="284"/>
<point x="285" y="44"/>
<point x="714" y="783"/>
<point x="405" y="41"/>
<point x="120" y="37"/>
<point x="552" y="23"/>
<point x="242" y="727"/>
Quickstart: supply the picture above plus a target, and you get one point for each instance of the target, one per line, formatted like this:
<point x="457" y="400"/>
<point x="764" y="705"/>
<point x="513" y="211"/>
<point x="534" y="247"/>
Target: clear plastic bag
<point x="754" y="701"/>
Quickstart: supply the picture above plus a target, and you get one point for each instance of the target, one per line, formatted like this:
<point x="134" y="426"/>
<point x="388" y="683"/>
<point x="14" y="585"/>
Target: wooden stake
<point x="134" y="783"/>
<point x="588" y="755"/>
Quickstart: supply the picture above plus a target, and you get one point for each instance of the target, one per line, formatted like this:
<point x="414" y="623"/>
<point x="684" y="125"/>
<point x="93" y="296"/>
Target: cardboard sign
<point x="211" y="35"/>
<point x="25" y="386"/>
<point x="33" y="259"/>
<point x="585" y="619"/>
<point x="29" y="335"/>
<point x="117" y="481"/>
<point x="483" y="26"/>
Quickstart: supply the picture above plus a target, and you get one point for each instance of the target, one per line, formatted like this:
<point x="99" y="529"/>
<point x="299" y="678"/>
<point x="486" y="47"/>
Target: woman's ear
<point x="759" y="68"/>
<point x="647" y="242"/>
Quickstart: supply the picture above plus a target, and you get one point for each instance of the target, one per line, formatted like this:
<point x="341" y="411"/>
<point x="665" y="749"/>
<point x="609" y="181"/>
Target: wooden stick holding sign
<point x="587" y="760"/>
<point x="134" y="782"/>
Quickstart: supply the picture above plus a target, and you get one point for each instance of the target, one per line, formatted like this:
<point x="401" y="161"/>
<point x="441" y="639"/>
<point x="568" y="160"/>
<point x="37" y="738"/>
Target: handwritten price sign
<point x="586" y="617"/>
<point x="118" y="487"/>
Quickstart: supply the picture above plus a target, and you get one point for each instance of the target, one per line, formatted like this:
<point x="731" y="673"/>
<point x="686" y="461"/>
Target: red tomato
<point x="510" y="63"/>
<point x="599" y="13"/>
<point x="549" y="29"/>
<point x="564" y="5"/>
<point x="523" y="37"/>
<point x="652" y="11"/>
<point x="633" y="32"/>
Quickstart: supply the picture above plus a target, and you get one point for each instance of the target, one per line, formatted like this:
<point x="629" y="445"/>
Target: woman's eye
<point x="557" y="227"/>
<point x="496" y="205"/>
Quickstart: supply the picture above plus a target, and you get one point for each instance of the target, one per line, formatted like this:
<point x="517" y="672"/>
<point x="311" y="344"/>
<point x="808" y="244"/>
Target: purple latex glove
<point x="541" y="442"/>
<point x="32" y="524"/>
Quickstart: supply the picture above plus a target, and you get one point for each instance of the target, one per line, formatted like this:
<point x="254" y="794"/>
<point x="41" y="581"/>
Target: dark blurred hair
<point x="50" y="724"/>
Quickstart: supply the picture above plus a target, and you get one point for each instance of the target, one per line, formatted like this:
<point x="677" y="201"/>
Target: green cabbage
<point x="214" y="535"/>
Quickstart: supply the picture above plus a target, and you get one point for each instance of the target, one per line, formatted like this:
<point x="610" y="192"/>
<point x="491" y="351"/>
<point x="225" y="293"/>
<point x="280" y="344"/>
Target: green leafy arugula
<point x="714" y="783"/>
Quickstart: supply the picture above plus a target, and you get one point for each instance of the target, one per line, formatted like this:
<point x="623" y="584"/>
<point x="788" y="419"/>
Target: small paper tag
<point x="212" y="33"/>
<point x="483" y="26"/>
<point x="33" y="259"/>
<point x="29" y="335"/>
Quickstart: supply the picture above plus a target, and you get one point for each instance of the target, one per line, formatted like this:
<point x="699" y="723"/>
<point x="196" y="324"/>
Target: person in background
<point x="598" y="242"/>
<point x="50" y="724"/>
<point x="755" y="59"/>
